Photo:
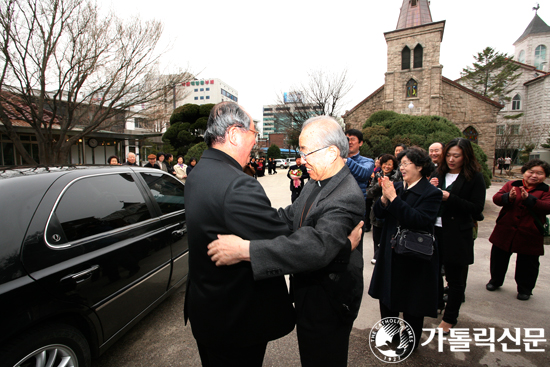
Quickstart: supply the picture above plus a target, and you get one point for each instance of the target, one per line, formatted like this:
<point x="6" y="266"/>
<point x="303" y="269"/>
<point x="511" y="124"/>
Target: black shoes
<point x="523" y="296"/>
<point x="491" y="287"/>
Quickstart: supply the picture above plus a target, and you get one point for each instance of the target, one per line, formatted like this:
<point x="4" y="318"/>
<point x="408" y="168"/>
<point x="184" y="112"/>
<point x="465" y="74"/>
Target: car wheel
<point x="50" y="345"/>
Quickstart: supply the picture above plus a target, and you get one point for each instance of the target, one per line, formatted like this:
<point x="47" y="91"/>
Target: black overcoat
<point x="404" y="283"/>
<point x="465" y="203"/>
<point x="225" y="304"/>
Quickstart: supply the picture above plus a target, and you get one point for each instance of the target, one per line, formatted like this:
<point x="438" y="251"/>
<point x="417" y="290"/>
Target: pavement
<point x="161" y="339"/>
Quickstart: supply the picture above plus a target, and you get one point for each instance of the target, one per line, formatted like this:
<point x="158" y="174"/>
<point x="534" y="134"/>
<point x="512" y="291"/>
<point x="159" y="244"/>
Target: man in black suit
<point x="232" y="315"/>
<point x="327" y="281"/>
<point x="296" y="187"/>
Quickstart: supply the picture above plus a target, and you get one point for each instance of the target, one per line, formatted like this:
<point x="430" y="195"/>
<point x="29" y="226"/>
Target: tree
<point x="517" y="140"/>
<point x="273" y="152"/>
<point x="492" y="75"/>
<point x="322" y="93"/>
<point x="187" y="126"/>
<point x="196" y="152"/>
<point x="383" y="130"/>
<point x="88" y="70"/>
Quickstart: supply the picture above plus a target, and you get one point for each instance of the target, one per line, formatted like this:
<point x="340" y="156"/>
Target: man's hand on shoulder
<point x="229" y="250"/>
<point x="355" y="235"/>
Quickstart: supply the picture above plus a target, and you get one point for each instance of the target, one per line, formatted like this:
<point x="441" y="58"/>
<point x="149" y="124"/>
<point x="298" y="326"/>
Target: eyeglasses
<point x="256" y="134"/>
<point x="405" y="164"/>
<point x="304" y="155"/>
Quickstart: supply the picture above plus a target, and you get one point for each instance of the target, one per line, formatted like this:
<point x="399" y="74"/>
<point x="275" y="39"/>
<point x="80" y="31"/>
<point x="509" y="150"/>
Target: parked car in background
<point x="85" y="253"/>
<point x="281" y="163"/>
<point x="291" y="161"/>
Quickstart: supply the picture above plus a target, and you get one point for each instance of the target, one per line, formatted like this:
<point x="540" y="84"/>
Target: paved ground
<point x="161" y="339"/>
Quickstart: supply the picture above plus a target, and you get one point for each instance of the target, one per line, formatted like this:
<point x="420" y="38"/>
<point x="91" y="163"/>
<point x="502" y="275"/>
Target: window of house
<point x="418" y="55"/>
<point x="207" y="89"/>
<point x="202" y="89"/>
<point x="500" y="130"/>
<point x="540" y="56"/>
<point x="98" y="204"/>
<point x="202" y="97"/>
<point x="516" y="102"/>
<point x="521" y="57"/>
<point x="514" y="129"/>
<point x="412" y="88"/>
<point x="196" y="98"/>
<point x="196" y="89"/>
<point x="406" y="58"/>
<point x="167" y="191"/>
<point x="207" y="97"/>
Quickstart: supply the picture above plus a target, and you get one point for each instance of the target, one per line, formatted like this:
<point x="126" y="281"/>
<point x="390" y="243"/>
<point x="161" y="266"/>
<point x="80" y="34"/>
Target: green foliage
<point x="513" y="117"/>
<point x="195" y="152"/>
<point x="379" y="116"/>
<point x="385" y="129"/>
<point x="187" y="126"/>
<point x="492" y="75"/>
<point x="204" y="110"/>
<point x="273" y="152"/>
<point x="482" y="159"/>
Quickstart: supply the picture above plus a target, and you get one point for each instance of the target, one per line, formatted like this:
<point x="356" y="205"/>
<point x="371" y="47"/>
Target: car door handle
<point x="179" y="233"/>
<point x="81" y="276"/>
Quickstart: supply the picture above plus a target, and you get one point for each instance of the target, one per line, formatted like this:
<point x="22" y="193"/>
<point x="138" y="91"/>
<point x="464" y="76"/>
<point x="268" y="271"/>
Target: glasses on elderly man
<point x="304" y="155"/>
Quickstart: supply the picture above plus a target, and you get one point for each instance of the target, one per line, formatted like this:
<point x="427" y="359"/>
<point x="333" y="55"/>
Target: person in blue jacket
<point x="361" y="169"/>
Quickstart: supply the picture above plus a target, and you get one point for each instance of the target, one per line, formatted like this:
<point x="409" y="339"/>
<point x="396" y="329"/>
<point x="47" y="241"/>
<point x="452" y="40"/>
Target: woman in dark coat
<point x="403" y="283"/>
<point x="518" y="231"/>
<point x="463" y="188"/>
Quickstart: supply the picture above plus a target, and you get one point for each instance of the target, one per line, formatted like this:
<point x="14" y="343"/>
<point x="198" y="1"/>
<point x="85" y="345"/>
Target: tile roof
<point x="19" y="111"/>
<point x="536" y="26"/>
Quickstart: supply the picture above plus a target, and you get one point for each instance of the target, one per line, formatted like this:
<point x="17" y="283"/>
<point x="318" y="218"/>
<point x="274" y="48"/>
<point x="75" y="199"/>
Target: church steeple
<point x="537" y="26"/>
<point x="414" y="13"/>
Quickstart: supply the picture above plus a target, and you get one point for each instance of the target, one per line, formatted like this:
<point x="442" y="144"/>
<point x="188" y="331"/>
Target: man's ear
<point x="234" y="136"/>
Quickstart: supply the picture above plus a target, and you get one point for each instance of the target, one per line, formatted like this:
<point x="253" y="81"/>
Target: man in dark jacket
<point x="232" y="315"/>
<point x="327" y="281"/>
<point x="297" y="184"/>
<point x="152" y="158"/>
<point x="131" y="160"/>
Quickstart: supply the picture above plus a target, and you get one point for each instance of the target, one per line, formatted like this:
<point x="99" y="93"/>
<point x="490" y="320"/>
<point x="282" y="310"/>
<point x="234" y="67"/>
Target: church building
<point x="414" y="83"/>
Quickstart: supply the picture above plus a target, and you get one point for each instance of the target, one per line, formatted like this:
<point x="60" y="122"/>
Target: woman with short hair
<point x="519" y="228"/>
<point x="404" y="283"/>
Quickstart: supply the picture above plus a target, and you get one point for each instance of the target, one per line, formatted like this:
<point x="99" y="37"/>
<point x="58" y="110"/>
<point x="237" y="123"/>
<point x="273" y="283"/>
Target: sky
<point x="263" y="48"/>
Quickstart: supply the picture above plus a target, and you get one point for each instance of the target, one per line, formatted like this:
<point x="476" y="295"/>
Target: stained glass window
<point x="412" y="88"/>
<point x="471" y="134"/>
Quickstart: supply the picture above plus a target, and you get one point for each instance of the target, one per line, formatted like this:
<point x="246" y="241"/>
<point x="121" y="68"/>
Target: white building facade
<point x="208" y="90"/>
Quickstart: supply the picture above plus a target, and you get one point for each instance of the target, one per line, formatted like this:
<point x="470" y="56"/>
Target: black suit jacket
<point x="225" y="304"/>
<point x="318" y="252"/>
<point x="465" y="203"/>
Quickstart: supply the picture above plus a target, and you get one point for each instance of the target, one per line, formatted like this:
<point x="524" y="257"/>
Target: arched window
<point x="406" y="58"/>
<point x="521" y="57"/>
<point x="413" y="2"/>
<point x="471" y="134"/>
<point x="418" y="54"/>
<point x="412" y="88"/>
<point x="516" y="102"/>
<point x="540" y="56"/>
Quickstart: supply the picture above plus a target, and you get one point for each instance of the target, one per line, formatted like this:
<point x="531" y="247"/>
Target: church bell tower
<point x="413" y="77"/>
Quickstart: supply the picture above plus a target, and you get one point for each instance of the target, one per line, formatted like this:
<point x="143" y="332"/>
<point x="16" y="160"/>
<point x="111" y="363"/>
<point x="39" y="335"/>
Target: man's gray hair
<point x="330" y="133"/>
<point x="222" y="117"/>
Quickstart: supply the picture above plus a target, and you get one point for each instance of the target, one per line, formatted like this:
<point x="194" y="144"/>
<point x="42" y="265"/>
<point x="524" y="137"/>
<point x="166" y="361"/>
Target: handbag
<point x="417" y="244"/>
<point x="543" y="228"/>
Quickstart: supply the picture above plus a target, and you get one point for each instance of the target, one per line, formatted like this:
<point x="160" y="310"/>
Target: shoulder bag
<point x="418" y="244"/>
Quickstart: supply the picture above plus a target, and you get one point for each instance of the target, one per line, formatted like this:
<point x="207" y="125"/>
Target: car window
<point x="98" y="204"/>
<point x="167" y="191"/>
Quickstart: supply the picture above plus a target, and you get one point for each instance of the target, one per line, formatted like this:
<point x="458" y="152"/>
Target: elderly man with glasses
<point x="327" y="281"/>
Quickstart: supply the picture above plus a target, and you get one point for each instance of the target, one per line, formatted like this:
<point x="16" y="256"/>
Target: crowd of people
<point x="240" y="247"/>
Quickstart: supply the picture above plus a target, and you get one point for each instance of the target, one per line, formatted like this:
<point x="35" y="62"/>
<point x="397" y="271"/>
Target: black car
<point x="85" y="253"/>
